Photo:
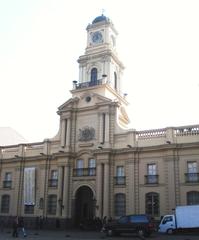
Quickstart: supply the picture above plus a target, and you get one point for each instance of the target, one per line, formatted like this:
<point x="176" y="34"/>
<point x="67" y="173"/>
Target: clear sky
<point x="41" y="40"/>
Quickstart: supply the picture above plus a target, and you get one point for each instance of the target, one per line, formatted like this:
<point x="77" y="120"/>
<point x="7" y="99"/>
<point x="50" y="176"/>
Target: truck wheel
<point x="110" y="233"/>
<point x="170" y="231"/>
<point x="141" y="232"/>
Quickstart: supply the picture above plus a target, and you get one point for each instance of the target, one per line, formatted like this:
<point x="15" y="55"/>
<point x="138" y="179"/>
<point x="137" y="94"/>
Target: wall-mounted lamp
<point x="168" y="142"/>
<point x="129" y="146"/>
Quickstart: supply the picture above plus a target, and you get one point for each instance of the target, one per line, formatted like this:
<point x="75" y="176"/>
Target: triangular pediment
<point x="85" y="100"/>
<point x="68" y="105"/>
<point x="90" y="99"/>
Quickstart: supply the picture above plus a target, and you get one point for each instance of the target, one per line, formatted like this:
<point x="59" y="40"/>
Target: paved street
<point x="77" y="235"/>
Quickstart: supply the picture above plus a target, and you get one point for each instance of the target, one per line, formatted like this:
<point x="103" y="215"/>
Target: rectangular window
<point x="151" y="169"/>
<point x="151" y="177"/>
<point x="7" y="183"/>
<point x="53" y="181"/>
<point x="91" y="167"/>
<point x="120" y="204"/>
<point x="54" y="174"/>
<point x="52" y="204"/>
<point x="5" y="203"/>
<point x="80" y="167"/>
<point x="120" y="178"/>
<point x="192" y="175"/>
<point x="192" y="167"/>
<point x="152" y="204"/>
<point x="120" y="171"/>
<point x="8" y="176"/>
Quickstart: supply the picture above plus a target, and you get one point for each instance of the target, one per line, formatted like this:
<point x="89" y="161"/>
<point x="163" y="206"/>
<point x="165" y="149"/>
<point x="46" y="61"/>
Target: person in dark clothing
<point x="15" y="227"/>
<point x="57" y="223"/>
<point x="21" y="226"/>
<point x="2" y="225"/>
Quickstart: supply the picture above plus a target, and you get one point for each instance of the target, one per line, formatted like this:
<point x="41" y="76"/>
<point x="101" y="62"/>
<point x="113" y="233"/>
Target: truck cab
<point x="167" y="224"/>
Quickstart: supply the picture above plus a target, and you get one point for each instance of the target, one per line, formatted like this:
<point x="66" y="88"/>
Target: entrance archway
<point x="84" y="205"/>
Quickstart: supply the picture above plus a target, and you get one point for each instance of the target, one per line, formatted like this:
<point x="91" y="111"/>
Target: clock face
<point x="97" y="37"/>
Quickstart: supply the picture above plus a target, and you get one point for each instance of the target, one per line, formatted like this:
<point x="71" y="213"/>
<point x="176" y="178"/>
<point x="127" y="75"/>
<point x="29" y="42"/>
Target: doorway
<point x="84" y="206"/>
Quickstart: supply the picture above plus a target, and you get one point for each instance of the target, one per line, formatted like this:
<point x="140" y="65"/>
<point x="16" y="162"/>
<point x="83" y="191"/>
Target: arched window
<point x="192" y="197"/>
<point x="152" y="204"/>
<point x="52" y="204"/>
<point x="93" y="74"/>
<point x="5" y="204"/>
<point x="120" y="204"/>
<point x="115" y="80"/>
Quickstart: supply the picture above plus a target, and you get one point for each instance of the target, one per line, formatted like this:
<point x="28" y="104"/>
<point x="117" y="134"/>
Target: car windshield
<point x="139" y="219"/>
<point x="123" y="220"/>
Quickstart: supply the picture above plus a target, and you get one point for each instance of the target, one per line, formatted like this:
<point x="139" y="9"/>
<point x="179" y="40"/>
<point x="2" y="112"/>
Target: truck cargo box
<point x="187" y="216"/>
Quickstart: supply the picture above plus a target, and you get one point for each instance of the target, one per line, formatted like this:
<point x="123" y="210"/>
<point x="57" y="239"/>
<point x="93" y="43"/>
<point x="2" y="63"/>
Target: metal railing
<point x="151" y="179"/>
<point x="88" y="84"/>
<point x="79" y="172"/>
<point x="120" y="180"/>
<point x="192" y="177"/>
<point x="53" y="182"/>
<point x="7" y="184"/>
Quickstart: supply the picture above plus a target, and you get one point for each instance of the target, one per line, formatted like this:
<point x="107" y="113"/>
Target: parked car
<point x="140" y="224"/>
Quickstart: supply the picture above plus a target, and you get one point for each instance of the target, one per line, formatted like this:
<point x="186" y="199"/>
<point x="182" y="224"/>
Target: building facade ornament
<point x="86" y="134"/>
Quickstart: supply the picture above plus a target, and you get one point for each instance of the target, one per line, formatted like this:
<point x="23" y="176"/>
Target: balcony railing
<point x="88" y="84"/>
<point x="78" y="172"/>
<point x="192" y="177"/>
<point x="120" y="180"/>
<point x="7" y="184"/>
<point x="151" y="179"/>
<point x="53" y="182"/>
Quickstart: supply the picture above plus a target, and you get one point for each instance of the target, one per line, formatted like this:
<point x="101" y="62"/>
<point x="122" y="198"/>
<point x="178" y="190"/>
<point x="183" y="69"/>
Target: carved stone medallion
<point x="86" y="134"/>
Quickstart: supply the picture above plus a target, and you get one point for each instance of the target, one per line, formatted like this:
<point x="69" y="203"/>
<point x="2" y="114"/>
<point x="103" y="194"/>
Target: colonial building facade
<point x="96" y="166"/>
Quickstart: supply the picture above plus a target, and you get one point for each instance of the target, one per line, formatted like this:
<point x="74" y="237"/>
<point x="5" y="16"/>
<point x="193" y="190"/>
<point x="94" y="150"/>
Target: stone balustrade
<point x="187" y="130"/>
<point x="153" y="133"/>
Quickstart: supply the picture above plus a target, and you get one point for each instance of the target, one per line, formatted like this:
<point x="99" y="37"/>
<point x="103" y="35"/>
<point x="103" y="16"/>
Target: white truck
<point x="186" y="218"/>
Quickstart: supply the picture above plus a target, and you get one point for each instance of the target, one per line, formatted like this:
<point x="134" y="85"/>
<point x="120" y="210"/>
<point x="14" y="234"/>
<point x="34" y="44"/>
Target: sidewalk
<point x="53" y="235"/>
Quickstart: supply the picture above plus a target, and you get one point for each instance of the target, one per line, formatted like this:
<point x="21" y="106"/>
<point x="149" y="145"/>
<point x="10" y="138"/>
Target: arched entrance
<point x="84" y="205"/>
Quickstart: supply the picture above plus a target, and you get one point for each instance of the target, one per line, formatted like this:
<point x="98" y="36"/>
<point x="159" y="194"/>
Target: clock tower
<point x="100" y="69"/>
<point x="100" y="61"/>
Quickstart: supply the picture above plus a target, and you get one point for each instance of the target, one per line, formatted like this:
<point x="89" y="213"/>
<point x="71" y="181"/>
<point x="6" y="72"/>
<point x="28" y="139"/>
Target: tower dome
<point x="100" y="19"/>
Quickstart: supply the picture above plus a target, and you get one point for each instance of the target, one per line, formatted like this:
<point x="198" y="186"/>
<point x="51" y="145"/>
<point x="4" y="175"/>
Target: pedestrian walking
<point x="15" y="227"/>
<point x="21" y="226"/>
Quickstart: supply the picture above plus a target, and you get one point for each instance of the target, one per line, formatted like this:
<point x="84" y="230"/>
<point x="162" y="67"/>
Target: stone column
<point x="60" y="189"/>
<point x="177" y="177"/>
<point x="68" y="132"/>
<point x="107" y="128"/>
<point x="100" y="127"/>
<point x="66" y="192"/>
<point x="63" y="132"/>
<point x="106" y="190"/>
<point x="99" y="191"/>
